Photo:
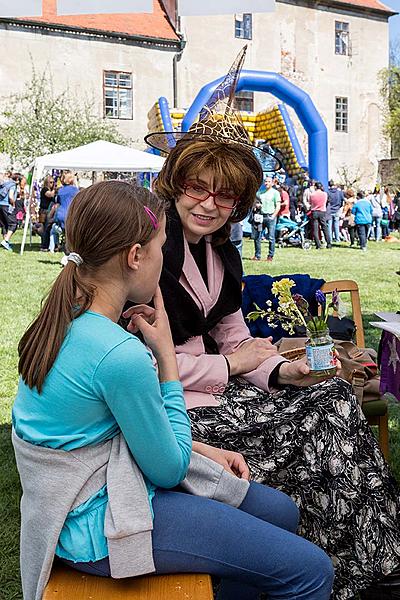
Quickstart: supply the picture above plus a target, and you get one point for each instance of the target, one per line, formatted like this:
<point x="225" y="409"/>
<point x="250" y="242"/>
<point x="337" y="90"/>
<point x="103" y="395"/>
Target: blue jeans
<point x="252" y="549"/>
<point x="269" y="225"/>
<point x="333" y="226"/>
<point x="376" y="231"/>
<point x="362" y="231"/>
<point x="257" y="235"/>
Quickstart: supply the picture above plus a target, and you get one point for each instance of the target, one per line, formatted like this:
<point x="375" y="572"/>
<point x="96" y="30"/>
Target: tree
<point x="38" y="122"/>
<point x="390" y="92"/>
<point x="349" y="177"/>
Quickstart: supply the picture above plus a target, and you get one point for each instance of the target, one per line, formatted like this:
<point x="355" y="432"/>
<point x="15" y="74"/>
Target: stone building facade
<point x="333" y="49"/>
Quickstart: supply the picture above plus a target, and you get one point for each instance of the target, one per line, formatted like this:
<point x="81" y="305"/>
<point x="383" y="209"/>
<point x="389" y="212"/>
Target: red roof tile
<point x="154" y="25"/>
<point x="374" y="4"/>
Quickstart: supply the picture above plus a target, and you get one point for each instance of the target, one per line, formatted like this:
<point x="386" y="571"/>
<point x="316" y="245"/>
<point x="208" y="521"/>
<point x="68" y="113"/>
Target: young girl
<point x="101" y="438"/>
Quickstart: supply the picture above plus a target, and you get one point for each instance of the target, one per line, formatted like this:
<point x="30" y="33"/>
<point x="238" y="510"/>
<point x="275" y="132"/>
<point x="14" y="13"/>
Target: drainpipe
<point x="176" y="59"/>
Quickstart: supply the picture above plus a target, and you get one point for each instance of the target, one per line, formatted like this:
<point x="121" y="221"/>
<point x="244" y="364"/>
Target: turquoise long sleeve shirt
<point x="103" y="381"/>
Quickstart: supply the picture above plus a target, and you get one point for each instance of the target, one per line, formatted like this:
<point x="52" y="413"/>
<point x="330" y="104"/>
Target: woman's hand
<point x="250" y="355"/>
<point x="298" y="373"/>
<point x="153" y="324"/>
<point x="233" y="462"/>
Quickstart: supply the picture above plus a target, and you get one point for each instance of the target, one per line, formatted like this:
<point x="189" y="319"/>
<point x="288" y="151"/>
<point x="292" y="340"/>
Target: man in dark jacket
<point x="336" y="201"/>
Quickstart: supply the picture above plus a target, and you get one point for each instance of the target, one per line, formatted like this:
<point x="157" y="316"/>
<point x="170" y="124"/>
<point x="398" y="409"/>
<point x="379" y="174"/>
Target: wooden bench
<point x="376" y="412"/>
<point x="69" y="584"/>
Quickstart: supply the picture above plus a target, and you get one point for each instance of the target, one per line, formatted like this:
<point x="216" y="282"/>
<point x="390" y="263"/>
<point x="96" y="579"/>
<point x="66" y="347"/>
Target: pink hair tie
<point x="152" y="217"/>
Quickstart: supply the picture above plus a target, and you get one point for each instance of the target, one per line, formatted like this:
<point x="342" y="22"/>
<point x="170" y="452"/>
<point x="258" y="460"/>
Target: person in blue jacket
<point x="85" y="380"/>
<point x="64" y="197"/>
<point x="362" y="211"/>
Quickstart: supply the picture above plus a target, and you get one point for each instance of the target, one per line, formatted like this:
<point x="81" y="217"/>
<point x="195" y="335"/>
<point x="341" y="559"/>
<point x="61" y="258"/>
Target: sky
<point x="394" y="22"/>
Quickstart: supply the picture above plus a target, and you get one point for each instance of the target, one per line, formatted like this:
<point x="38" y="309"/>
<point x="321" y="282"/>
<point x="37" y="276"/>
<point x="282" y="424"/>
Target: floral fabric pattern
<point x="315" y="444"/>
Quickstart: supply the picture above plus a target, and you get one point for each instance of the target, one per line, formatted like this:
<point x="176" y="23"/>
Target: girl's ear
<point x="134" y="257"/>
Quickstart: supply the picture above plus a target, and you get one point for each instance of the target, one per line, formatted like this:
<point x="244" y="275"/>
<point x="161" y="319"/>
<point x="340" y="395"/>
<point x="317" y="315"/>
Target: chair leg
<point x="384" y="435"/>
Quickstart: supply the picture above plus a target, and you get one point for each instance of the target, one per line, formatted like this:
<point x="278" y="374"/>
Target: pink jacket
<point x="204" y="374"/>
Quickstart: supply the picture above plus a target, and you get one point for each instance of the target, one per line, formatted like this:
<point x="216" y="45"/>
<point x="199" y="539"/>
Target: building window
<point x="342" y="114"/>
<point x="244" y="101"/>
<point x="117" y="87"/>
<point x="342" y="38"/>
<point x="243" y="26"/>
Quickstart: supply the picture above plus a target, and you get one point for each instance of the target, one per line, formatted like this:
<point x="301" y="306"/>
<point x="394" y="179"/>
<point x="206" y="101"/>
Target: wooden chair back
<point x="347" y="285"/>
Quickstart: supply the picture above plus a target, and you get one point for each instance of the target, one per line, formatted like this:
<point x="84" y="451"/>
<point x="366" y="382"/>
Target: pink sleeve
<point x="229" y="334"/>
<point x="198" y="371"/>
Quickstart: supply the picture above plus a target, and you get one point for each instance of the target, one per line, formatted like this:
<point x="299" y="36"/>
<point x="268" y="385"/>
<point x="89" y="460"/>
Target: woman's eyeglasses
<point x="221" y="198"/>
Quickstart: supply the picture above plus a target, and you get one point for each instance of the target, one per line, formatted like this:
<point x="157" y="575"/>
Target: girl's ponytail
<point x="38" y="348"/>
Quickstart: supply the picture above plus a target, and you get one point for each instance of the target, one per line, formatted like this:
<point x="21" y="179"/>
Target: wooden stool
<point x="69" y="584"/>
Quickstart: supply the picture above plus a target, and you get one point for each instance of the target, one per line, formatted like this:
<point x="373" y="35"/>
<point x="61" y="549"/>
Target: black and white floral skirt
<point x="315" y="444"/>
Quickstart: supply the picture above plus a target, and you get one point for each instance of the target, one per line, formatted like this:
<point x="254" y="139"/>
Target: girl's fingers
<point x="139" y="309"/>
<point x="158" y="299"/>
<point x="141" y="324"/>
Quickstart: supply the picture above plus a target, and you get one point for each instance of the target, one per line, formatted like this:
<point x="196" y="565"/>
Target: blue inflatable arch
<point x="264" y="81"/>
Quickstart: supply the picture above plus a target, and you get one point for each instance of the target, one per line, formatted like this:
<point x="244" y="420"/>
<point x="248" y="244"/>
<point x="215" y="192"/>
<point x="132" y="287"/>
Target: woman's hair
<point x="104" y="220"/>
<point x="233" y="166"/>
<point x="46" y="182"/>
<point x="360" y="194"/>
<point x="319" y="186"/>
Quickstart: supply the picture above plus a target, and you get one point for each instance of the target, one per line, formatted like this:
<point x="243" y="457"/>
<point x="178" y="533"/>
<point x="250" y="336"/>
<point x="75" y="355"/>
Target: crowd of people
<point x="48" y="208"/>
<point x="338" y="214"/>
<point x="53" y="208"/>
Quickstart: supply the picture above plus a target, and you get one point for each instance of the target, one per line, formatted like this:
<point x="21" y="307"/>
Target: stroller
<point x="292" y="233"/>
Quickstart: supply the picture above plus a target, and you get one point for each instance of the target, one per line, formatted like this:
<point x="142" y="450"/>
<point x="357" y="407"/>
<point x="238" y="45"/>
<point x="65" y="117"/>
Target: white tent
<point x="97" y="156"/>
<point x="100" y="156"/>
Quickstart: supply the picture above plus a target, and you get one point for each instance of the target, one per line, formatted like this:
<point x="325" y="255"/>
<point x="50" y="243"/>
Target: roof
<point x="375" y="5"/>
<point x="101" y="156"/>
<point x="153" y="25"/>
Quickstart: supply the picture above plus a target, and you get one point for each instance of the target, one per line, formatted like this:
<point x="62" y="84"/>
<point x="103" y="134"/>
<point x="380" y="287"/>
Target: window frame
<point x="244" y="97"/>
<point x="342" y="38"/>
<point x="118" y="88"/>
<point x="241" y="28"/>
<point x="341" y="114"/>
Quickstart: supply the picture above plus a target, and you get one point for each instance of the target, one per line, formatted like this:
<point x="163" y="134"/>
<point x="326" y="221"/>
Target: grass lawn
<point x="24" y="280"/>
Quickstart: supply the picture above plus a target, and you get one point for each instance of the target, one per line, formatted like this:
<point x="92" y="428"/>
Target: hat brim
<point x="271" y="159"/>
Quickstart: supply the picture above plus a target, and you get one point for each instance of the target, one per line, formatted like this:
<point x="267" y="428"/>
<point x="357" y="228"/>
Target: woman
<point x="65" y="195"/>
<point x="47" y="194"/>
<point x="349" y="224"/>
<point x="311" y="442"/>
<point x="318" y="206"/>
<point x="99" y="461"/>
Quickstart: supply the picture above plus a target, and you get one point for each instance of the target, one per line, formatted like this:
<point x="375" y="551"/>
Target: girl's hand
<point x="154" y="326"/>
<point x="298" y="373"/>
<point x="143" y="310"/>
<point x="233" y="462"/>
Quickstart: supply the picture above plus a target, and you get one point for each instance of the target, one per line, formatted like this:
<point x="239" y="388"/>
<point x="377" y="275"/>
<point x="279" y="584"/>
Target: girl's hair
<point x="319" y="186"/>
<point x="233" y="166"/>
<point x="47" y="180"/>
<point x="104" y="220"/>
<point x="360" y="194"/>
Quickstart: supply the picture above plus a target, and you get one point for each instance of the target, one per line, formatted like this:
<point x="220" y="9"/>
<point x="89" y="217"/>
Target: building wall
<point x="299" y="43"/>
<point x="78" y="63"/>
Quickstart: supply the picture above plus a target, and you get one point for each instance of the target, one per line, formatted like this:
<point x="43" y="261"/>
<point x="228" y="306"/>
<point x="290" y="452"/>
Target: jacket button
<point x="215" y="389"/>
<point x="209" y="388"/>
